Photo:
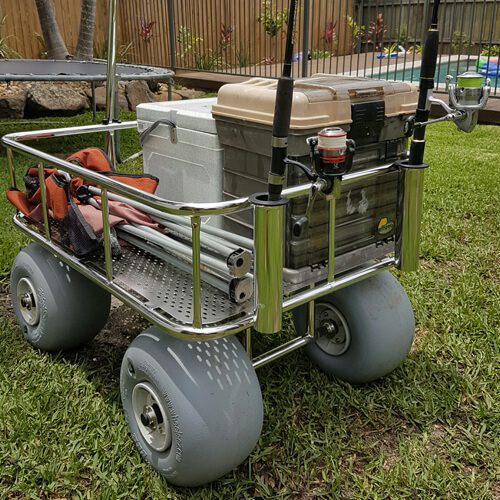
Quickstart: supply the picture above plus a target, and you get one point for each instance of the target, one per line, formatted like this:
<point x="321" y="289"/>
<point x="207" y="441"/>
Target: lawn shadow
<point x="102" y="357"/>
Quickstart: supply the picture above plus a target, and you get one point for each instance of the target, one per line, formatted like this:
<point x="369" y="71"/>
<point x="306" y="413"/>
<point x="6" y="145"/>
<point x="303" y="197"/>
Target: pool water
<point x="443" y="69"/>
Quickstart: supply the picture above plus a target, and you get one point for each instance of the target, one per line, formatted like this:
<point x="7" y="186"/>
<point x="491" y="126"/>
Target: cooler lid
<point x="192" y="114"/>
<point x="319" y="101"/>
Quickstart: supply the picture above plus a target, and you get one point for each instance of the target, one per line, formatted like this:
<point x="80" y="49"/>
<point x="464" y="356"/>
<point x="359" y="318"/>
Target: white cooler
<point x="188" y="162"/>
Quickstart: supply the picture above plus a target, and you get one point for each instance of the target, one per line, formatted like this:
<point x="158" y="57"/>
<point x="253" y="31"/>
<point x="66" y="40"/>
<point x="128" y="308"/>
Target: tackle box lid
<point x="318" y="101"/>
<point x="192" y="114"/>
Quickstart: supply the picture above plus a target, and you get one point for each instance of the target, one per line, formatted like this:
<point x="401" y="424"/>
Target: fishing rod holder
<point x="269" y="224"/>
<point x="409" y="219"/>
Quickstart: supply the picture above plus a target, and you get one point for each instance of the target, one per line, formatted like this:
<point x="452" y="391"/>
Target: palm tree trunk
<point x="54" y="43"/>
<point x="85" y="45"/>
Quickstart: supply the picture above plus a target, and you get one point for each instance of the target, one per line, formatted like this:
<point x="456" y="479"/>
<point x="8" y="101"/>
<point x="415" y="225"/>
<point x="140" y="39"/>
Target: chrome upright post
<point x="12" y="170"/>
<point x="196" y="261"/>
<point x="269" y="221"/>
<point x="332" y="203"/>
<point x="106" y="234"/>
<point x="409" y="217"/>
<point x="43" y="199"/>
<point x="112" y="84"/>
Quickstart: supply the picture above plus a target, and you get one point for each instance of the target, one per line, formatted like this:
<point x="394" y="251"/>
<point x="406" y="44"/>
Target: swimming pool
<point x="404" y="71"/>
<point x="409" y="70"/>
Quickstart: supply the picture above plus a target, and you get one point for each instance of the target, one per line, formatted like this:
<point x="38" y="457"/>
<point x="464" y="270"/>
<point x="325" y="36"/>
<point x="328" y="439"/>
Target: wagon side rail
<point x="264" y="304"/>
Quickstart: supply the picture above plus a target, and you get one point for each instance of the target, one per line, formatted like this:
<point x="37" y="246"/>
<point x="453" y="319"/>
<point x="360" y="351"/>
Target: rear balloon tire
<point x="194" y="408"/>
<point x="364" y="331"/>
<point x="56" y="307"/>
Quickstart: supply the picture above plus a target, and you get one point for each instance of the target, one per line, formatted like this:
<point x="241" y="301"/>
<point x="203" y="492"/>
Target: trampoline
<point x="53" y="70"/>
<point x="75" y="71"/>
<point x="46" y="70"/>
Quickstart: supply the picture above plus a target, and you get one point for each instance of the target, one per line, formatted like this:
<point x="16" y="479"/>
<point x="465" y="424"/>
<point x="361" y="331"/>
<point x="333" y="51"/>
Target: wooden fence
<point x="200" y="20"/>
<point x="466" y="26"/>
<point x="218" y="35"/>
<point x="21" y="24"/>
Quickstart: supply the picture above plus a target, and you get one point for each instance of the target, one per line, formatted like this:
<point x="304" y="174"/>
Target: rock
<point x="55" y="99"/>
<point x="163" y="96"/>
<point x="138" y="92"/>
<point x="12" y="102"/>
<point x="154" y="85"/>
<point x="190" y="93"/>
<point x="100" y="99"/>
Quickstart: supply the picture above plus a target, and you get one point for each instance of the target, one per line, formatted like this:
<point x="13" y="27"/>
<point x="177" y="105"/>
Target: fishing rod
<point x="466" y="97"/>
<point x="412" y="169"/>
<point x="282" y="112"/>
<point x="427" y="71"/>
<point x="269" y="208"/>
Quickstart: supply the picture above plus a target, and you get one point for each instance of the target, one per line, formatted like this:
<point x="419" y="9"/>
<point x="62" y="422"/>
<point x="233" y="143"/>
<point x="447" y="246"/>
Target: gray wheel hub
<point x="331" y="329"/>
<point x="27" y="301"/>
<point x="151" y="416"/>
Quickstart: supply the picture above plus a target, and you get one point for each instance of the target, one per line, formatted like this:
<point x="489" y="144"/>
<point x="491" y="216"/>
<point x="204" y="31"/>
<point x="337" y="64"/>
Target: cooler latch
<point x="367" y="121"/>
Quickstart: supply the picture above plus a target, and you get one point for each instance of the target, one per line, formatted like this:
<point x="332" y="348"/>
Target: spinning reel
<point x="331" y="157"/>
<point x="466" y="98"/>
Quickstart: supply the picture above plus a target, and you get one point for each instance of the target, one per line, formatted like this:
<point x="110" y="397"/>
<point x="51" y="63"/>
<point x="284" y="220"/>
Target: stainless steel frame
<point x="269" y="221"/>
<point x="196" y="327"/>
<point x="112" y="83"/>
<point x="410" y="197"/>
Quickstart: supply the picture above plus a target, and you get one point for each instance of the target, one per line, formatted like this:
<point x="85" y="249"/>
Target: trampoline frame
<point x="112" y="76"/>
<point x="143" y="72"/>
<point x="121" y="72"/>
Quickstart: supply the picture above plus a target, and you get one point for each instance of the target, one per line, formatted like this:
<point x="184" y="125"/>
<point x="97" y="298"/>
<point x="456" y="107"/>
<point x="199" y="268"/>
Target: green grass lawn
<point x="429" y="430"/>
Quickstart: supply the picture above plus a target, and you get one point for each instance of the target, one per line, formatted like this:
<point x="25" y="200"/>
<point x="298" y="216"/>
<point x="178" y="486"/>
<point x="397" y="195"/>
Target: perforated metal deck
<point x="157" y="284"/>
<point x="167" y="290"/>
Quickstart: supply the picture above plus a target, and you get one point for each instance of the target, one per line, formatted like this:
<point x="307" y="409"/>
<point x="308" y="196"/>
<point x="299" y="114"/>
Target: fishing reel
<point x="331" y="157"/>
<point x="331" y="152"/>
<point x="466" y="98"/>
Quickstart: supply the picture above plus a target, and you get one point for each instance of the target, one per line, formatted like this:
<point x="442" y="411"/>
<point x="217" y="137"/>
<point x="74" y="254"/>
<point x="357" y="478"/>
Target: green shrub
<point x="320" y="54"/>
<point x="100" y="50"/>
<point x="243" y="58"/>
<point x="273" y="22"/>
<point x="492" y="50"/>
<point x="6" y="52"/>
<point x="460" y="42"/>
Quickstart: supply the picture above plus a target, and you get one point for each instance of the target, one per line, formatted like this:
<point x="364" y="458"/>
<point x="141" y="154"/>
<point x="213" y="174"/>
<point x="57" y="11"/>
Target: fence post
<point x="358" y="5"/>
<point x="305" y="40"/>
<point x="171" y="33"/>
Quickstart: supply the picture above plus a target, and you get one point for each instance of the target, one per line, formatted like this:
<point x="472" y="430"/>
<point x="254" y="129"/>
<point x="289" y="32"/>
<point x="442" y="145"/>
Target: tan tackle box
<point x="373" y="112"/>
